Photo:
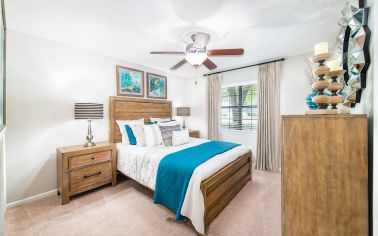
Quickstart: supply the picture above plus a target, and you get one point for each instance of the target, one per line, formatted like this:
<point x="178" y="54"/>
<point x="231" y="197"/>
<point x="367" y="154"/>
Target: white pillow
<point x="121" y="125"/>
<point x="179" y="119"/>
<point x="158" y="120"/>
<point x="139" y="134"/>
<point x="152" y="135"/>
<point x="180" y="137"/>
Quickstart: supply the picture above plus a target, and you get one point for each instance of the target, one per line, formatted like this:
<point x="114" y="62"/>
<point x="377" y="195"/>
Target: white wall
<point x="294" y="85"/>
<point x="44" y="80"/>
<point x="196" y="100"/>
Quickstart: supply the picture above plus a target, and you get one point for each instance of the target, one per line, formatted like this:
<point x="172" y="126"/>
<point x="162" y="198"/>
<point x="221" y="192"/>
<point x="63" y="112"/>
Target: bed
<point x="220" y="178"/>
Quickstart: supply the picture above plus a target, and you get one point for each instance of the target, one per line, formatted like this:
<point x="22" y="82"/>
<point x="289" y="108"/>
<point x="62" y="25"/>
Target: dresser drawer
<point x="91" y="174"/>
<point x="84" y="160"/>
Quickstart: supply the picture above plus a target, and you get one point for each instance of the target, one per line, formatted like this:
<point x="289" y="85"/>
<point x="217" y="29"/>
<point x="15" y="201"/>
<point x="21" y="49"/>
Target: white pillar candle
<point x="334" y="65"/>
<point x="321" y="48"/>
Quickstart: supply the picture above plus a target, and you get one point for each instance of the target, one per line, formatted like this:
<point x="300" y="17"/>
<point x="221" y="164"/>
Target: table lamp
<point x="183" y="111"/>
<point x="89" y="111"/>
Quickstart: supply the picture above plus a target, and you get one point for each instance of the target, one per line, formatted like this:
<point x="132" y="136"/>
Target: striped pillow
<point x="152" y="135"/>
<point x="166" y="133"/>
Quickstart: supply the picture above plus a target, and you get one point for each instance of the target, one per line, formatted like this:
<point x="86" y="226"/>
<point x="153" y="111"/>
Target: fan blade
<point x="182" y="62"/>
<point x="209" y="64"/>
<point x="166" y="52"/>
<point x="201" y="39"/>
<point x="225" y="52"/>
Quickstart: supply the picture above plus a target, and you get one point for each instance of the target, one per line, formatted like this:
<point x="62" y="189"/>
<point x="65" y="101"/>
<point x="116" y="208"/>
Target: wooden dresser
<point x="324" y="175"/>
<point x="83" y="168"/>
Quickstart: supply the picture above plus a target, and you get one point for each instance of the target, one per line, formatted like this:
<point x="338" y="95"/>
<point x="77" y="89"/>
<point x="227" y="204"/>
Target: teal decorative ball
<point x="310" y="104"/>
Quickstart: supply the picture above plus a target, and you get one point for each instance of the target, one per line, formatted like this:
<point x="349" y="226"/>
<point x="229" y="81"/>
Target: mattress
<point x="141" y="164"/>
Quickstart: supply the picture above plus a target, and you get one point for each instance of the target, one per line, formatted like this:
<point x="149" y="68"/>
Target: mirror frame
<point x="365" y="50"/>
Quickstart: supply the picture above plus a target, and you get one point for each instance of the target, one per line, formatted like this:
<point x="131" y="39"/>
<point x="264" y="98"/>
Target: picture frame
<point x="130" y="82"/>
<point x="156" y="86"/>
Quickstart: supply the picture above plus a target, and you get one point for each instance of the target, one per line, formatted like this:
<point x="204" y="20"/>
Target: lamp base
<point x="89" y="144"/>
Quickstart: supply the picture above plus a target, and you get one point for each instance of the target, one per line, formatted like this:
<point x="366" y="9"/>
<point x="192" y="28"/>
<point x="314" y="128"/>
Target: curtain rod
<point x="238" y="68"/>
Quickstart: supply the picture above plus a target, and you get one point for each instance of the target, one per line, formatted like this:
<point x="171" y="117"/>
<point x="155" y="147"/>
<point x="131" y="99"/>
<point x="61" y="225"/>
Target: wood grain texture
<point x="90" y="174"/>
<point x="122" y="108"/>
<point x="93" y="158"/>
<point x="83" y="168"/>
<point x="324" y="175"/>
<point x="219" y="189"/>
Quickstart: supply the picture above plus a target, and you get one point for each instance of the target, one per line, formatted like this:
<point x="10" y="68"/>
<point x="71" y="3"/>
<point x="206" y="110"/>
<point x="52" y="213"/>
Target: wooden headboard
<point x="124" y="108"/>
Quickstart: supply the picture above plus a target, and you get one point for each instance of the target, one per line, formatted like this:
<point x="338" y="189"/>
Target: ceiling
<point x="130" y="29"/>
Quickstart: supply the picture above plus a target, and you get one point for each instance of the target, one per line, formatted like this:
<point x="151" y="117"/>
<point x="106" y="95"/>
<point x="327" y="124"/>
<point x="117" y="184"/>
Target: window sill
<point x="239" y="131"/>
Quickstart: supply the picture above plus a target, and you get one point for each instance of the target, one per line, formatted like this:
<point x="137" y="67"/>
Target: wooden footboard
<point x="219" y="189"/>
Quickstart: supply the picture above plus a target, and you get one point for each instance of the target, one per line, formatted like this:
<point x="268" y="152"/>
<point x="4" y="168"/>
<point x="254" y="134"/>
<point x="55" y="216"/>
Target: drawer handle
<point x="91" y="175"/>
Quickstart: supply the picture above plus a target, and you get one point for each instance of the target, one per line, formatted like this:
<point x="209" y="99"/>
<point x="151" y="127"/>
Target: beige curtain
<point x="213" y="106"/>
<point x="269" y="123"/>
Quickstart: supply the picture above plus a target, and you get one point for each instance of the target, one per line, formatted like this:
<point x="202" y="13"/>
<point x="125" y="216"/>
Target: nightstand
<point x="84" y="168"/>
<point x="194" y="133"/>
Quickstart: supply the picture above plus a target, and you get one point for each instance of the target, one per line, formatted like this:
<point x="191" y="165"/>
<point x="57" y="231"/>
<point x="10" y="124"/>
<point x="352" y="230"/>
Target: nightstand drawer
<point x="84" y="160"/>
<point x="91" y="174"/>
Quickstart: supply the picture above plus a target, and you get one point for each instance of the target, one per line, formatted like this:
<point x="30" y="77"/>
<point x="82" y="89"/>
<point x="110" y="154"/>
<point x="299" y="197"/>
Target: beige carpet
<point x="127" y="209"/>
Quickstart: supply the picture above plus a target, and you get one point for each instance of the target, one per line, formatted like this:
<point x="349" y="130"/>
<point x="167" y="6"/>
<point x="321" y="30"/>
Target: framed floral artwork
<point x="156" y="86"/>
<point x="130" y="82"/>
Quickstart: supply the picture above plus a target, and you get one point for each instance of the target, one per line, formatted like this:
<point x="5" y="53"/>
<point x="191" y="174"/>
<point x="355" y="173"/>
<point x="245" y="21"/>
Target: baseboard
<point x="32" y="198"/>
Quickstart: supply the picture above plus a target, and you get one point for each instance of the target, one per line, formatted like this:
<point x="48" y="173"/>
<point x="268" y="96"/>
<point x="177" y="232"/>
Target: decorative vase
<point x="310" y="103"/>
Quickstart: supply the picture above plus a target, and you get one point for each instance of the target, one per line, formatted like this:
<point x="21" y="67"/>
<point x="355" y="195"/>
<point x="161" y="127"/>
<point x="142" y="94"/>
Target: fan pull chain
<point x="196" y="82"/>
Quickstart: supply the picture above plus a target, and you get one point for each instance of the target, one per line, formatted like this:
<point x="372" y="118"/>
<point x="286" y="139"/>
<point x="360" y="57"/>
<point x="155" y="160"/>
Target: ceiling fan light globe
<point x="196" y="58"/>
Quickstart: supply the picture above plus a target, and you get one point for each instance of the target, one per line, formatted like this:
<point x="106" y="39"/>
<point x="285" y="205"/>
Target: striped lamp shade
<point x="89" y="111"/>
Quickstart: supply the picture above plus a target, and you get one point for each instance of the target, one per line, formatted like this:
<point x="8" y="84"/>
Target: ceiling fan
<point x="196" y="53"/>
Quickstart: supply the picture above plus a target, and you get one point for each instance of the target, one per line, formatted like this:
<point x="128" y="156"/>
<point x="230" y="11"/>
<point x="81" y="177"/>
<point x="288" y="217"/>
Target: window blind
<point x="240" y="107"/>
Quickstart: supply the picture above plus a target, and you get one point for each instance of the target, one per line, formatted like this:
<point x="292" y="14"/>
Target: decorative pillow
<point x="130" y="135"/>
<point x="122" y="128"/>
<point x="139" y="134"/>
<point x="179" y="120"/>
<point x="180" y="137"/>
<point x="169" y="123"/>
<point x="166" y="133"/>
<point x="152" y="135"/>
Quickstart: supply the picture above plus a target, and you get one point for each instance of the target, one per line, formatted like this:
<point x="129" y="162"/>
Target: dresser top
<point x="80" y="148"/>
<point x="326" y="116"/>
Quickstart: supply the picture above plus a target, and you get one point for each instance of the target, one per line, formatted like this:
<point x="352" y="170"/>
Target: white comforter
<point x="141" y="164"/>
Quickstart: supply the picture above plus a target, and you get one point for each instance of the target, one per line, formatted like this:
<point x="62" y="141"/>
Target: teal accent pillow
<point x="130" y="135"/>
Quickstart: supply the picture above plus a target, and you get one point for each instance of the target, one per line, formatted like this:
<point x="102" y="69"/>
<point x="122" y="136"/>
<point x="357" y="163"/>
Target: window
<point x="240" y="107"/>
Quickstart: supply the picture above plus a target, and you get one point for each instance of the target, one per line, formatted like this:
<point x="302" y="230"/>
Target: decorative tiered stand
<point x="321" y="72"/>
<point x="334" y="87"/>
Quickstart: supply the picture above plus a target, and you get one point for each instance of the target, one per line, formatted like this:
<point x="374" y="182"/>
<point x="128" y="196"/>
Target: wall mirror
<point x="353" y="40"/>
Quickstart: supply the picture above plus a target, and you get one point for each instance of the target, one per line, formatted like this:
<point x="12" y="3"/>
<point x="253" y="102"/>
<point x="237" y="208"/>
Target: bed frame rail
<point x="219" y="189"/>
